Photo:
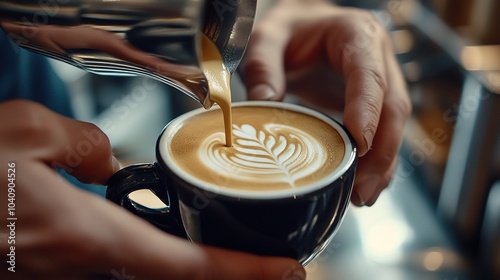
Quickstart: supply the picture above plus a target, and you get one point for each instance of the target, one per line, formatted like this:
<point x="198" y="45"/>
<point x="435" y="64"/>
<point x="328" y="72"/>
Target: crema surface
<point x="272" y="149"/>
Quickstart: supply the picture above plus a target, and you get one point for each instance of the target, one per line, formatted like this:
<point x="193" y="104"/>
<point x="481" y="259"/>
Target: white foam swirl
<point x="277" y="153"/>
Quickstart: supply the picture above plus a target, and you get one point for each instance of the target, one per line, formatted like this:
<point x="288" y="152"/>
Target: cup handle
<point x="146" y="176"/>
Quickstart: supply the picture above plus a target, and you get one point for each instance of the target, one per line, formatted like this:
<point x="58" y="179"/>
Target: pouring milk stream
<point x="218" y="78"/>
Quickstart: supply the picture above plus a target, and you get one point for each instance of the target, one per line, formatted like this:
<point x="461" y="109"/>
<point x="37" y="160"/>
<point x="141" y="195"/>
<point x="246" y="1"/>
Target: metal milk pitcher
<point x="155" y="38"/>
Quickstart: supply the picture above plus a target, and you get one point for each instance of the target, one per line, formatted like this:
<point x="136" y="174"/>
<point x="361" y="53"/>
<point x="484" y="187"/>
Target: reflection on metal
<point x="433" y="260"/>
<point x="440" y="259"/>
<point x="384" y="232"/>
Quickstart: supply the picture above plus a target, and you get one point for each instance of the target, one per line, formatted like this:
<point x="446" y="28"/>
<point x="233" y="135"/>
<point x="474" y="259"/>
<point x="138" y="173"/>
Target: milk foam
<point x="277" y="153"/>
<point x="273" y="149"/>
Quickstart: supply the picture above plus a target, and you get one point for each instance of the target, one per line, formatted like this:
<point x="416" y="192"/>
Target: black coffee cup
<point x="297" y="223"/>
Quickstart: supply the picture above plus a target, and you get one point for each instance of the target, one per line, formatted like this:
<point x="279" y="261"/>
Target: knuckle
<point x="399" y="108"/>
<point x="93" y="128"/>
<point x="372" y="111"/>
<point x="377" y="77"/>
<point x="361" y="28"/>
<point x="374" y="79"/>
<point x="27" y="120"/>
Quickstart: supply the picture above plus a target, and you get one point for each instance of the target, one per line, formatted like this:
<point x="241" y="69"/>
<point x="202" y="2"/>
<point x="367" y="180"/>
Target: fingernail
<point x="261" y="92"/>
<point x="367" y="188"/>
<point x="116" y="164"/>
<point x="368" y="136"/>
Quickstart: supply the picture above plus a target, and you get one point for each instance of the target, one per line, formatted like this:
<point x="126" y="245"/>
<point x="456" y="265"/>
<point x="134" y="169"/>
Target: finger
<point x="87" y="153"/>
<point x="361" y="61"/>
<point x="35" y="132"/>
<point x="387" y="178"/>
<point x="377" y="166"/>
<point x="263" y="66"/>
<point x="369" y="184"/>
<point x="246" y="266"/>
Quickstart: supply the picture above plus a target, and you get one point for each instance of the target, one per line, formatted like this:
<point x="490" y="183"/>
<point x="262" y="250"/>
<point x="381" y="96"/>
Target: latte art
<point x="277" y="153"/>
<point x="273" y="149"/>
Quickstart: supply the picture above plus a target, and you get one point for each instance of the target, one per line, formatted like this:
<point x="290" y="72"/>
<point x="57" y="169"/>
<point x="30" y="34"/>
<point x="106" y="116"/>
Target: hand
<point x="63" y="232"/>
<point x="335" y="58"/>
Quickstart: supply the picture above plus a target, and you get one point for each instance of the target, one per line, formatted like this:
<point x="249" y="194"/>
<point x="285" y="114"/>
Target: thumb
<point x="263" y="66"/>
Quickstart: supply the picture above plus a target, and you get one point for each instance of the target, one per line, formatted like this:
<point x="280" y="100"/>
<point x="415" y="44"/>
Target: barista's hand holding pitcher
<point x="304" y="47"/>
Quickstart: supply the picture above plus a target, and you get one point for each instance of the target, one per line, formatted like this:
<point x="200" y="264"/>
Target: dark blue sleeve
<point x="27" y="75"/>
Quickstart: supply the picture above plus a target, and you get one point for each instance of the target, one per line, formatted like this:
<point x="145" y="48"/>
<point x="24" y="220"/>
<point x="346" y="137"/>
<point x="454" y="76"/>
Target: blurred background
<point x="440" y="217"/>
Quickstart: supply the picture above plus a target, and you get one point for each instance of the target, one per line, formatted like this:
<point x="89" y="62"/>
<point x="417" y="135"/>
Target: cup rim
<point x="348" y="160"/>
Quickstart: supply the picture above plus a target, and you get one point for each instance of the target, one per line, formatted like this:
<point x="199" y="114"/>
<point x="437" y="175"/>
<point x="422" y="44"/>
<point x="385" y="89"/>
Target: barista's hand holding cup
<point x="282" y="189"/>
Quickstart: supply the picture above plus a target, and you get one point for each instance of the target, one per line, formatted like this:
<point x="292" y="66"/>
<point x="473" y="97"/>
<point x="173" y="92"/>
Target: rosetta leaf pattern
<point x="276" y="153"/>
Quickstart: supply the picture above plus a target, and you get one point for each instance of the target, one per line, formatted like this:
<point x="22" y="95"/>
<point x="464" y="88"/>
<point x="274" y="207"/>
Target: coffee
<point x="273" y="149"/>
<point x="218" y="77"/>
<point x="287" y="164"/>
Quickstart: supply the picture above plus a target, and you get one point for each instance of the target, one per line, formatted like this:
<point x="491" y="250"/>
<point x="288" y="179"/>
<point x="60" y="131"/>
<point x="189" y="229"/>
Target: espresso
<point x="218" y="78"/>
<point x="272" y="149"/>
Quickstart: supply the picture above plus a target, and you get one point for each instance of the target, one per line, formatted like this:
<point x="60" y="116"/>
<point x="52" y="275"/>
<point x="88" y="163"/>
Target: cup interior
<point x="347" y="161"/>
